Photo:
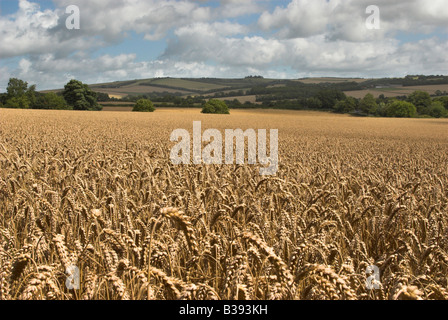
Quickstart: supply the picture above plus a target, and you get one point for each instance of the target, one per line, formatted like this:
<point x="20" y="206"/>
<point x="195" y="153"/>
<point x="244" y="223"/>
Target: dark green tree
<point x="144" y="105"/>
<point x="3" y="98"/>
<point x="421" y="100"/>
<point x="102" y="97"/>
<point x="18" y="95"/>
<point x="368" y="104"/>
<point x="51" y="100"/>
<point x="215" y="106"/>
<point x="437" y="110"/>
<point x="345" y="106"/>
<point x="381" y="110"/>
<point x="16" y="88"/>
<point x="329" y="97"/>
<point x="400" y="109"/>
<point x="31" y="94"/>
<point x="19" y="102"/>
<point x="313" y="103"/>
<point x="443" y="100"/>
<point x="80" y="96"/>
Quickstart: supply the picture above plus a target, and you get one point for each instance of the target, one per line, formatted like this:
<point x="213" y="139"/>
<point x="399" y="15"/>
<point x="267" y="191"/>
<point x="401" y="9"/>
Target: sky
<point x="135" y="39"/>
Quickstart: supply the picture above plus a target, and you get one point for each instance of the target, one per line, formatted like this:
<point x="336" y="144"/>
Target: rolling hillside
<point x="258" y="90"/>
<point x="184" y="86"/>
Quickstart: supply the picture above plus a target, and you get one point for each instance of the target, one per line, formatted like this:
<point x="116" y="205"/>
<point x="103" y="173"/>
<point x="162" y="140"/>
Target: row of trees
<point x="75" y="96"/>
<point x="78" y="96"/>
<point x="419" y="103"/>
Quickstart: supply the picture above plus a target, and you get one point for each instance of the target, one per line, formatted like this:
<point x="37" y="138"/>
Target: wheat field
<point x="97" y="190"/>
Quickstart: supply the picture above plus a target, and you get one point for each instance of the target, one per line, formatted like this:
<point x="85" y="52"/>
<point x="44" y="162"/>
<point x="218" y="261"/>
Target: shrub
<point x="215" y="106"/>
<point x="421" y="100"/>
<point x="437" y="110"/>
<point x="368" y="104"/>
<point x="443" y="100"/>
<point x="400" y="109"/>
<point x="329" y="98"/>
<point x="21" y="102"/>
<point x="51" y="100"/>
<point x="144" y="105"/>
<point x="314" y="103"/>
<point x="346" y="106"/>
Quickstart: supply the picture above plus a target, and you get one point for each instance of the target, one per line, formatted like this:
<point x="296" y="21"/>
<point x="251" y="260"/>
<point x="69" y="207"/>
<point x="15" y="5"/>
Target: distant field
<point x="397" y="91"/>
<point x="227" y="91"/>
<point x="331" y="80"/>
<point x="188" y="84"/>
<point x="116" y="96"/>
<point x="169" y="85"/>
<point x="137" y="89"/>
<point x="236" y="84"/>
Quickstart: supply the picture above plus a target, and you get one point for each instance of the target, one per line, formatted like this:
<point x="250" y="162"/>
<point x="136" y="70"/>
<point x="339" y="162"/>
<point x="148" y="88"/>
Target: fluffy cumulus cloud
<point x="221" y="38"/>
<point x="345" y="19"/>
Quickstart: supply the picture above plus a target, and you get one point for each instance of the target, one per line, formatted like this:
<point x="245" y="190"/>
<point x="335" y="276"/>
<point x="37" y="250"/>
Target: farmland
<point x="395" y="91"/>
<point x="331" y="80"/>
<point x="184" y="87"/>
<point x="97" y="190"/>
<point x="256" y="92"/>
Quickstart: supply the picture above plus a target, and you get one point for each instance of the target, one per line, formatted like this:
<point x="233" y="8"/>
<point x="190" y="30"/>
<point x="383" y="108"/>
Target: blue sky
<point x="131" y="39"/>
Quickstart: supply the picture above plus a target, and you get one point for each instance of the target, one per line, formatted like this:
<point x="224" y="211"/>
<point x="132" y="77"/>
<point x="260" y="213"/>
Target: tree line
<point x="417" y="104"/>
<point x="325" y="97"/>
<point x="75" y="96"/>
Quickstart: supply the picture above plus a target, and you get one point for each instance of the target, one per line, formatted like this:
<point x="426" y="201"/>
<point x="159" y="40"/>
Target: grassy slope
<point x="173" y="85"/>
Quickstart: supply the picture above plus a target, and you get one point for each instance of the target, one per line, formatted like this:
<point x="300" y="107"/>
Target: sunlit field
<point x="97" y="191"/>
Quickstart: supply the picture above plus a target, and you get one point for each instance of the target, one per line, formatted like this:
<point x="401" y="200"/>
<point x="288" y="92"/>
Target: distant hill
<point x="259" y="89"/>
<point x="179" y="86"/>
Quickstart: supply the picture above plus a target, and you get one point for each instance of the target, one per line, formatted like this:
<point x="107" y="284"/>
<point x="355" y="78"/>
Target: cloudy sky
<point x="132" y="39"/>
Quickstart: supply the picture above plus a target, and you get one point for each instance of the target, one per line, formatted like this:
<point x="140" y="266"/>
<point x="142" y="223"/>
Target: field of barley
<point x="97" y="191"/>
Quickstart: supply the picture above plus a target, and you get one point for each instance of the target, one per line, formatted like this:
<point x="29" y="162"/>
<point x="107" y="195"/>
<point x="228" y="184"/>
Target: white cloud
<point x="25" y="65"/>
<point x="345" y="19"/>
<point x="152" y="18"/>
<point x="301" y="18"/>
<point x="236" y="8"/>
<point x="32" y="31"/>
